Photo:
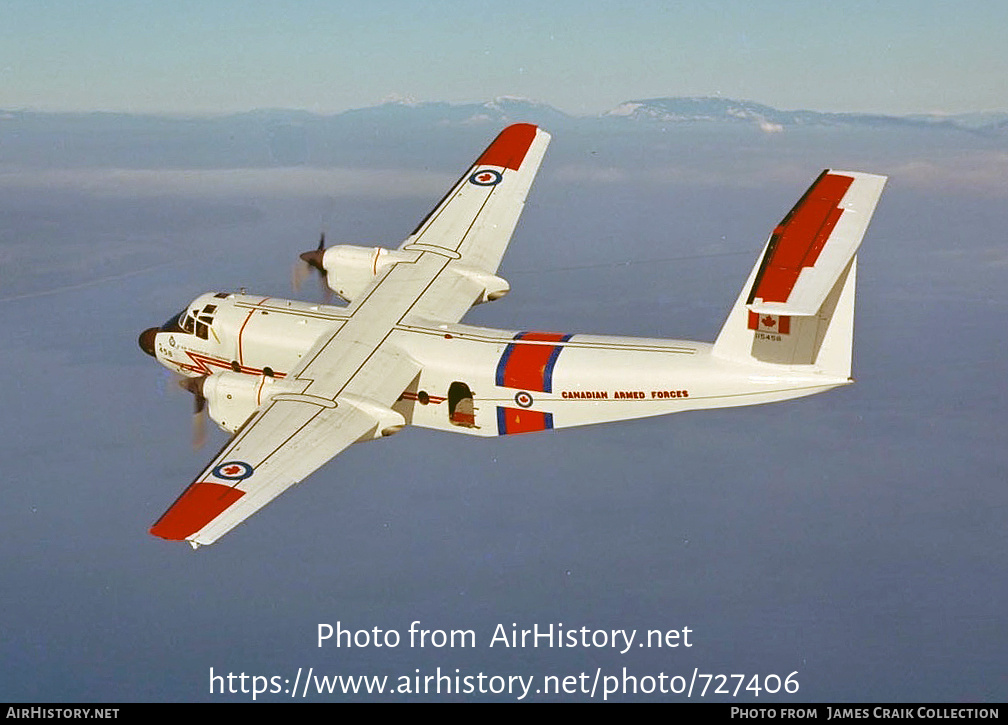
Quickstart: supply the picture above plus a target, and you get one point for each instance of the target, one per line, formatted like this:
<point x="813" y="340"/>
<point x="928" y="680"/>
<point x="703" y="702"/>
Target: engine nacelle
<point x="232" y="398"/>
<point x="388" y="421"/>
<point x="494" y="287"/>
<point x="350" y="269"/>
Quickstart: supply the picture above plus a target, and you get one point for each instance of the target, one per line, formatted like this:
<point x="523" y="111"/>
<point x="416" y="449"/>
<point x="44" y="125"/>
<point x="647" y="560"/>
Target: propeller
<point x="195" y="386"/>
<point x="309" y="261"/>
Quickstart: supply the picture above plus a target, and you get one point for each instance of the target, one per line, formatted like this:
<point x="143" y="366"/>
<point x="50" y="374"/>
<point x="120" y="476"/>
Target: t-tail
<point x="797" y="307"/>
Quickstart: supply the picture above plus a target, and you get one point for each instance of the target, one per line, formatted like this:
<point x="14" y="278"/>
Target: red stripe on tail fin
<point x="800" y="237"/>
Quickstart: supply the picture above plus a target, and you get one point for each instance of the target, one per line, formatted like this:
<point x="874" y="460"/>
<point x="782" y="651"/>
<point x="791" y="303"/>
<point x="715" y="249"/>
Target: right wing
<point x="282" y="444"/>
<point x="291" y="436"/>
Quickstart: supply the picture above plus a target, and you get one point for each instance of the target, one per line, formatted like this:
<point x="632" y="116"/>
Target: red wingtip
<point x="198" y="505"/>
<point x="509" y="148"/>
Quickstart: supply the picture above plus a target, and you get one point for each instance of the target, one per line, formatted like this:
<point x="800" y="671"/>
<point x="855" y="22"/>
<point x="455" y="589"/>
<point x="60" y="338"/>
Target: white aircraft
<point x="298" y="382"/>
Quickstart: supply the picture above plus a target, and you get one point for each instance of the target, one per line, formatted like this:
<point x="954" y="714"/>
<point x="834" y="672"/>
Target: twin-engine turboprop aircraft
<point x="297" y="382"/>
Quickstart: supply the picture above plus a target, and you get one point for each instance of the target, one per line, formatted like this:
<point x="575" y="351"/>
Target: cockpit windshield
<point x="193" y="322"/>
<point x="173" y="324"/>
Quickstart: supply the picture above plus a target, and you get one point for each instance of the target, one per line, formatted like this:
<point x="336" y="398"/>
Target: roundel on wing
<point x="485" y="177"/>
<point x="233" y="470"/>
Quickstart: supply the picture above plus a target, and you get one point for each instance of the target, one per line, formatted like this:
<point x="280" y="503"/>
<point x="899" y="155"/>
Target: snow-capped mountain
<point x="678" y="110"/>
<point x="391" y="131"/>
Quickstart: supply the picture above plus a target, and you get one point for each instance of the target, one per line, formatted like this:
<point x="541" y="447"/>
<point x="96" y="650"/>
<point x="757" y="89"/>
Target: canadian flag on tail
<point x="779" y="324"/>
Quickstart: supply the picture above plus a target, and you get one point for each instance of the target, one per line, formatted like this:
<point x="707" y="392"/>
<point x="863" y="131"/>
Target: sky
<point x="192" y="57"/>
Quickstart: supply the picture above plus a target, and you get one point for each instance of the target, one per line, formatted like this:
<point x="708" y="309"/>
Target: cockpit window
<point x="204" y="321"/>
<point x="192" y="321"/>
<point x="173" y="324"/>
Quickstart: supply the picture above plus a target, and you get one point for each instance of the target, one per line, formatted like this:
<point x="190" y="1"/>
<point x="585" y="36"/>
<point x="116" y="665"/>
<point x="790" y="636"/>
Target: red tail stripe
<point x="799" y="239"/>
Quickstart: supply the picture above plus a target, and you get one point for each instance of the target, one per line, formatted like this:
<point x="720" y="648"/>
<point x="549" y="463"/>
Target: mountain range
<point x="651" y="111"/>
<point x="504" y="109"/>
<point x="407" y="132"/>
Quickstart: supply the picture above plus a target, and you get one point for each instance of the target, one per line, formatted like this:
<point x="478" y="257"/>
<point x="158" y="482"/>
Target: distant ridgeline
<point x="278" y="137"/>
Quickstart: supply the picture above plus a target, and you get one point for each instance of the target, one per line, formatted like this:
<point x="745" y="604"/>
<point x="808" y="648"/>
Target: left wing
<point x="471" y="227"/>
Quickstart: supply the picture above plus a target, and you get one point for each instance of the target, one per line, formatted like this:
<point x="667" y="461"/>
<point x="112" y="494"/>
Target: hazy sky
<point x="183" y="56"/>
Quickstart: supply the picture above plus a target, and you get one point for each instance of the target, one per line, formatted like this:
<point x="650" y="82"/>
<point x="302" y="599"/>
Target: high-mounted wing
<point x="285" y="441"/>
<point x="471" y="227"/>
<point x="344" y="387"/>
<point x="281" y="445"/>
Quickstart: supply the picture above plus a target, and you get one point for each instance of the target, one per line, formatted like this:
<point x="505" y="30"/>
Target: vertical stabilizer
<point x="797" y="307"/>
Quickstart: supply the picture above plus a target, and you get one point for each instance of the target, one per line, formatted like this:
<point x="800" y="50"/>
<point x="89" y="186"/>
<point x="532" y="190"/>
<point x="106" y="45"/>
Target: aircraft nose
<point x="147" y="340"/>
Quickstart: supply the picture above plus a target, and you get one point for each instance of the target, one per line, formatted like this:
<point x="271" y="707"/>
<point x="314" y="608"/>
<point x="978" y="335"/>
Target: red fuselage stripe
<point x="242" y="329"/>
<point x="433" y="399"/>
<point x="203" y="363"/>
<point x="530" y="367"/>
<point x="516" y="420"/>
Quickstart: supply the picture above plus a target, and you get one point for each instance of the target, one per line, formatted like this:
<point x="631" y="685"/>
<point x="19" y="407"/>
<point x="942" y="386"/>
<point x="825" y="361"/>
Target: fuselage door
<point x="461" y="409"/>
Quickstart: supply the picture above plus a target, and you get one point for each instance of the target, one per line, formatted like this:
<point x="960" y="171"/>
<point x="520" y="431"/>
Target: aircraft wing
<point x="471" y="226"/>
<point x="287" y="440"/>
<point x="281" y="445"/>
<point x="344" y="387"/>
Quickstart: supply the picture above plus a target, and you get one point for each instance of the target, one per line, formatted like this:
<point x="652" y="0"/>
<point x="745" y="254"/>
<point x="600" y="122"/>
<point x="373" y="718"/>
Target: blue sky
<point x="196" y="57"/>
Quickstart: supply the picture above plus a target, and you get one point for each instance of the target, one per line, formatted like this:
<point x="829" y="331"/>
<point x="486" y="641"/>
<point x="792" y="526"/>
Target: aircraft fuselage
<point x="474" y="380"/>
